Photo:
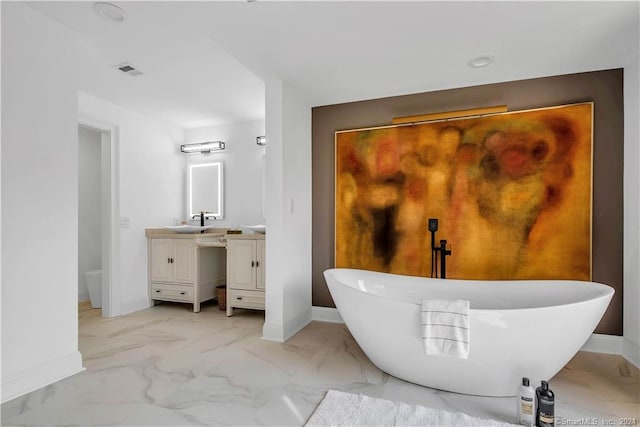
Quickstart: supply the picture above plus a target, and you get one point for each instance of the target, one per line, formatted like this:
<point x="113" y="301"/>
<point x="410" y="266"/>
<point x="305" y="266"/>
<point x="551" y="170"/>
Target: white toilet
<point x="94" y="284"/>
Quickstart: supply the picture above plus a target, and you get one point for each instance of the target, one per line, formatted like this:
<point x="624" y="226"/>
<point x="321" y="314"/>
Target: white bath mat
<point x="346" y="409"/>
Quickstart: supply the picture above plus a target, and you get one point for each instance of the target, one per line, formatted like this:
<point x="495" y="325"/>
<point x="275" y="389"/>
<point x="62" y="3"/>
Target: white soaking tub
<point x="517" y="328"/>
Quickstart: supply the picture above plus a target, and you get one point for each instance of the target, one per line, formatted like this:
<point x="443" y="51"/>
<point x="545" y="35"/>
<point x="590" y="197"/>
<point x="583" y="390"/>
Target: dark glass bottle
<point x="545" y="401"/>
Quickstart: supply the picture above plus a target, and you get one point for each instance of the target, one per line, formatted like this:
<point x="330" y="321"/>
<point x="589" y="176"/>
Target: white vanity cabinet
<point x="245" y="272"/>
<point x="185" y="267"/>
<point x="172" y="260"/>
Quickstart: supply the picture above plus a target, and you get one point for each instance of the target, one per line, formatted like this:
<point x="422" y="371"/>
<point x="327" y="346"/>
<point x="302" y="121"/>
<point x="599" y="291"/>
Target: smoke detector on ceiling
<point x="110" y="12"/>
<point x="481" y="61"/>
<point x="126" y="67"/>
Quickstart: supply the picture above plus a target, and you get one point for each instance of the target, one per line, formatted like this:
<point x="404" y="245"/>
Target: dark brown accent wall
<point x="604" y="88"/>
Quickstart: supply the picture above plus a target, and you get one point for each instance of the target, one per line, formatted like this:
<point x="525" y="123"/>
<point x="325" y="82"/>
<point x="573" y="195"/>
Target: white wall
<point x="151" y="185"/>
<point x="288" y="210"/>
<point x="243" y="169"/>
<point x="631" y="302"/>
<point x="40" y="112"/>
<point x="39" y="202"/>
<point x="297" y="211"/>
<point x="273" y="328"/>
<point x="89" y="206"/>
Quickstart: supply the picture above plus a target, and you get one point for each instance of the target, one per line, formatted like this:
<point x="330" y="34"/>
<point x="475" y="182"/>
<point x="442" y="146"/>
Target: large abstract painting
<point x="511" y="191"/>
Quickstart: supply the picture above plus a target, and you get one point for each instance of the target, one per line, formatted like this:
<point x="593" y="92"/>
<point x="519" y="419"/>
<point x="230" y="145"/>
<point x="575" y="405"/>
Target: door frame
<point x="110" y="233"/>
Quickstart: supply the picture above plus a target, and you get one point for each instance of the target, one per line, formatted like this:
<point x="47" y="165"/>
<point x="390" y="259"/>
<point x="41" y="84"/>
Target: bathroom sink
<point x="187" y="228"/>
<point x="259" y="228"/>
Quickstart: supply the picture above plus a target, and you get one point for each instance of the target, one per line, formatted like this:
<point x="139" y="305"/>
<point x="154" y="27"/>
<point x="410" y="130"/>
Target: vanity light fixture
<point x="202" y="147"/>
<point x="261" y="140"/>
<point x="110" y="12"/>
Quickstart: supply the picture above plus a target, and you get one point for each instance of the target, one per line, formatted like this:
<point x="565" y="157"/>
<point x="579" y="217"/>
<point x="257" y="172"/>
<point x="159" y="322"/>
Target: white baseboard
<point x="599" y="343"/>
<point x="293" y="326"/>
<point x="326" y="314"/>
<point x="273" y="332"/>
<point x="281" y="333"/>
<point x="132" y="307"/>
<point x="20" y="383"/>
<point x="631" y="352"/>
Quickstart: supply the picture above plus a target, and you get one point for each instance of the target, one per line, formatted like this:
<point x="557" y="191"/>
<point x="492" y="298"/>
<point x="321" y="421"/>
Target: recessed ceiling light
<point x="110" y="12"/>
<point x="481" y="61"/>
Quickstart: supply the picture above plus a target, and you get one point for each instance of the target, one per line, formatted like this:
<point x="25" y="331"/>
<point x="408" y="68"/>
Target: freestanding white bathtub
<point x="517" y="328"/>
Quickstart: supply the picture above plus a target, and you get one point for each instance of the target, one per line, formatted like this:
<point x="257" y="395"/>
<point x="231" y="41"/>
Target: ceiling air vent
<point x="127" y="68"/>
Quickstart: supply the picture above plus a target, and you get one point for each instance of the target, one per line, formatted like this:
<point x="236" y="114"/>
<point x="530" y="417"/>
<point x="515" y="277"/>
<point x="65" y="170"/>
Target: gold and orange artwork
<point x="511" y="191"/>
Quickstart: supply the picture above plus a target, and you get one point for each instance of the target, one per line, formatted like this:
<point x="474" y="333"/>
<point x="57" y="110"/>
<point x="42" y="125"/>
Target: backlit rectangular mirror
<point x="205" y="189"/>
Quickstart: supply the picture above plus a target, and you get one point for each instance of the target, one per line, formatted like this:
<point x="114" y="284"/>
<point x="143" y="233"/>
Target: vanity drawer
<point x="162" y="291"/>
<point x="245" y="299"/>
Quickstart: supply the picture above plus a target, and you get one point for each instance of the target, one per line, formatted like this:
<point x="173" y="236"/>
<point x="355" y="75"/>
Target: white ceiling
<point x="205" y="62"/>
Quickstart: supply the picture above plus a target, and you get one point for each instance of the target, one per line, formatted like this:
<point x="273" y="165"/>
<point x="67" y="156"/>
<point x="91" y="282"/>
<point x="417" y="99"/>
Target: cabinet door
<point x="161" y="253"/>
<point x="260" y="270"/>
<point x="241" y="261"/>
<point x="183" y="258"/>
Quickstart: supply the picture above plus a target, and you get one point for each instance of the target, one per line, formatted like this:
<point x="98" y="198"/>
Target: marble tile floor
<point x="168" y="366"/>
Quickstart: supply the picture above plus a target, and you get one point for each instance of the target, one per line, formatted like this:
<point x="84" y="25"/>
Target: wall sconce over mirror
<point x="205" y="188"/>
<point x="261" y="140"/>
<point x="202" y="147"/>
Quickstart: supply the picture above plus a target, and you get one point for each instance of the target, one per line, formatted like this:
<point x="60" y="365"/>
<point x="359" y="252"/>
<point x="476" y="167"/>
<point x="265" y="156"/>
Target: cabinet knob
<point x="239" y="298"/>
<point x="157" y="291"/>
<point x="168" y="260"/>
<point x="253" y="263"/>
<point x="182" y="293"/>
<point x="171" y="260"/>
<point x="257" y="263"/>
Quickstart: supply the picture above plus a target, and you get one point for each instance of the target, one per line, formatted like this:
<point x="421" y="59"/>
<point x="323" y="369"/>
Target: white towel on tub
<point x="445" y="327"/>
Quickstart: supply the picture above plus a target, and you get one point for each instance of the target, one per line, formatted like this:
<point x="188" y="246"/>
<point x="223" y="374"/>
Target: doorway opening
<point x="98" y="215"/>
<point x="90" y="215"/>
